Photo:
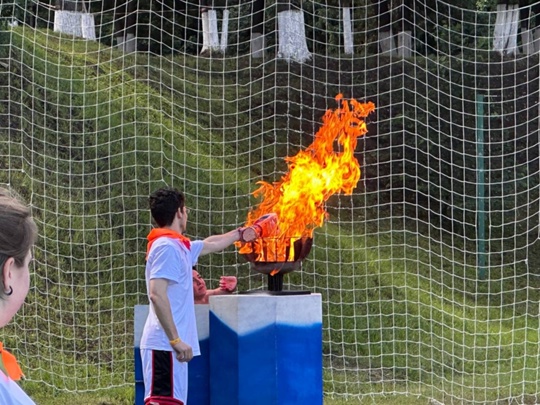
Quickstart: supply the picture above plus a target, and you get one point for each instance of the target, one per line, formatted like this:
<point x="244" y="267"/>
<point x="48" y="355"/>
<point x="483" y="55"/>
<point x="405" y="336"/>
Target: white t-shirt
<point x="172" y="260"/>
<point x="11" y="393"/>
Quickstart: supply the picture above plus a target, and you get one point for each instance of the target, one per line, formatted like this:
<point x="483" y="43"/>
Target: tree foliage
<point x="163" y="27"/>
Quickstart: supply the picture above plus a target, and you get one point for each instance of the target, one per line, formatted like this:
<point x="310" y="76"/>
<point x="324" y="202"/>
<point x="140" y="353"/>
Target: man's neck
<point x="174" y="227"/>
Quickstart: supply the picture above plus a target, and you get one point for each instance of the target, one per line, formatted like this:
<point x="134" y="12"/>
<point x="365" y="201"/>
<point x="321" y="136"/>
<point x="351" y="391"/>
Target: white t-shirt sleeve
<point x="11" y="393"/>
<point x="165" y="262"/>
<point x="196" y="248"/>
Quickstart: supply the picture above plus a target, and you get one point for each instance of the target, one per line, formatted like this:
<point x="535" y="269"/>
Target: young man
<point x="169" y="340"/>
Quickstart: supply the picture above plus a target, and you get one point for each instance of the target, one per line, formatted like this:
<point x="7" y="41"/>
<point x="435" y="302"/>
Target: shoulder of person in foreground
<point x="11" y="393"/>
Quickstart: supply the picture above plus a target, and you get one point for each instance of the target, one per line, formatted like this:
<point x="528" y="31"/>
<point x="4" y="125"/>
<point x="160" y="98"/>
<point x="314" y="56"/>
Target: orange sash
<point x="167" y="233"/>
<point x="10" y="365"/>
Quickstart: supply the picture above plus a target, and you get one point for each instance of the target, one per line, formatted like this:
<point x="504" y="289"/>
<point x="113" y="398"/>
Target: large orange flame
<point x="314" y="175"/>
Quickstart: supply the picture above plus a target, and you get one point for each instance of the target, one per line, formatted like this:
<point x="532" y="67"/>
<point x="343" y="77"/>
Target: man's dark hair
<point x="164" y="204"/>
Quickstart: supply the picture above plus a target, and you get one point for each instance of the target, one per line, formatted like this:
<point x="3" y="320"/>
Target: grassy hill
<point x="87" y="133"/>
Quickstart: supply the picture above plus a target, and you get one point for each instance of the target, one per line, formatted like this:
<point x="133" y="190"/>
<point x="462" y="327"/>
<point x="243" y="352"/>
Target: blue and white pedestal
<point x="266" y="349"/>
<point x="198" y="368"/>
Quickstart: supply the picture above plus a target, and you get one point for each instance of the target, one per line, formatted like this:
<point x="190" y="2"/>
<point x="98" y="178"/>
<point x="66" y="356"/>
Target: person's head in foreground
<point x="18" y="233"/>
<point x="167" y="204"/>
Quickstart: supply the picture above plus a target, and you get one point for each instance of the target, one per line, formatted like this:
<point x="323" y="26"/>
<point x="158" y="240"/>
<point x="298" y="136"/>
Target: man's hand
<point x="228" y="283"/>
<point x="247" y="234"/>
<point x="265" y="226"/>
<point x="184" y="352"/>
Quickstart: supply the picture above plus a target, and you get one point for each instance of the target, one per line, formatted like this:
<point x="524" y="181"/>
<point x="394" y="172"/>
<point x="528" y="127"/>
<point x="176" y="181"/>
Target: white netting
<point x="428" y="272"/>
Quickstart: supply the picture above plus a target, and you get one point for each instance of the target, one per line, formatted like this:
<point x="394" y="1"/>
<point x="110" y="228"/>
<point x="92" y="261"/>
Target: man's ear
<point x="6" y="272"/>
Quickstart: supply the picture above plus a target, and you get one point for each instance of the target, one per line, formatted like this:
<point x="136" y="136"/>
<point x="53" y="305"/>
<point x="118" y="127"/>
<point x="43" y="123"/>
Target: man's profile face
<point x="199" y="286"/>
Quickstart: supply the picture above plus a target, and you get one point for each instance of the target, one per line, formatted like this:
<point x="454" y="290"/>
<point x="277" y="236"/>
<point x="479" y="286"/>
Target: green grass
<point x="100" y="399"/>
<point x="104" y="399"/>
<point x="403" y="311"/>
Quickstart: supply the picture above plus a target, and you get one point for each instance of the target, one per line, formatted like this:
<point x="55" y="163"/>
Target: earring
<point x="9" y="292"/>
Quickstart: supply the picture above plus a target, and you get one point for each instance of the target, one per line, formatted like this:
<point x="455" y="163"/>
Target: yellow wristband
<point x="175" y="341"/>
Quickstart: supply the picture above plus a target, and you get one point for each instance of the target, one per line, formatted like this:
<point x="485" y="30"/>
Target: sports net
<point x="428" y="272"/>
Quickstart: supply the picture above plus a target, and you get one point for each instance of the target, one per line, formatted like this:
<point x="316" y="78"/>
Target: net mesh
<point x="428" y="272"/>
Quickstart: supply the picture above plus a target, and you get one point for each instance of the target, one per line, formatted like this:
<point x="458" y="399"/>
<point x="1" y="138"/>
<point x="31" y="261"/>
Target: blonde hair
<point x="18" y="231"/>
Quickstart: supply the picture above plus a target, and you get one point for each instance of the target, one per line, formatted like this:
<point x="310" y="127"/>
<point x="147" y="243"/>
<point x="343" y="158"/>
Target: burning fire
<point x="314" y="175"/>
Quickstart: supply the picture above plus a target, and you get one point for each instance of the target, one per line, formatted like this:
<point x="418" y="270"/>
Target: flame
<point x="314" y="175"/>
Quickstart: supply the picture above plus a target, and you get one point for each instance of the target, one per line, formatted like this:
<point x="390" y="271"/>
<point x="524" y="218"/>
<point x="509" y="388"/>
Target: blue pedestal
<point x="266" y="349"/>
<point x="198" y="368"/>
